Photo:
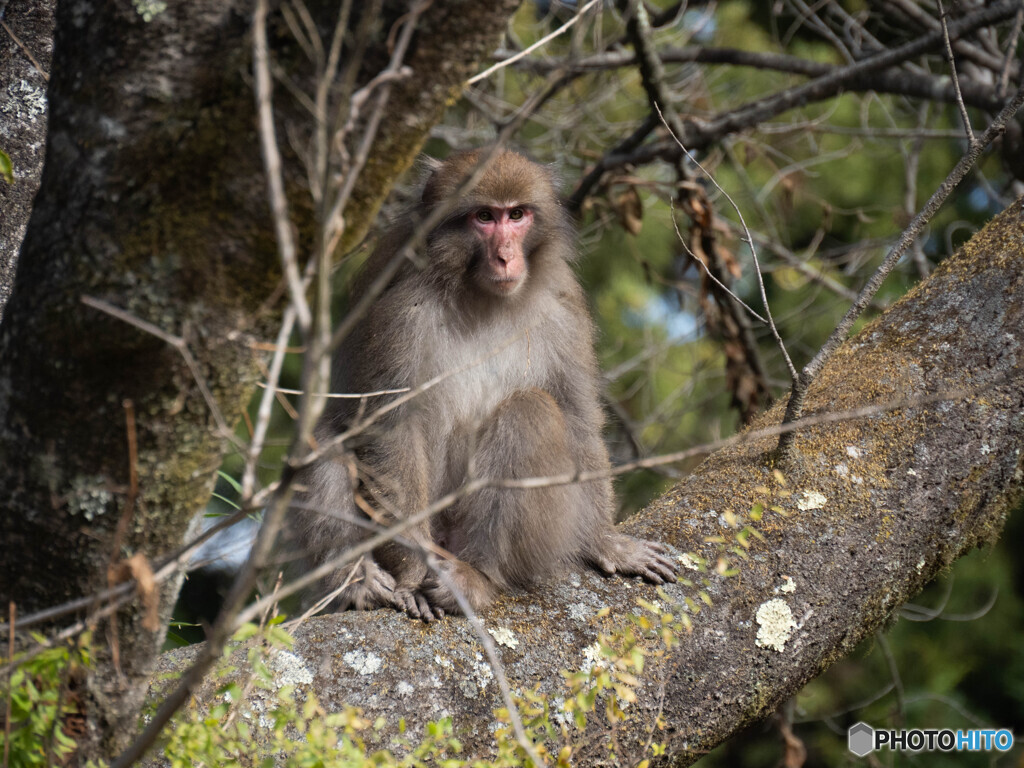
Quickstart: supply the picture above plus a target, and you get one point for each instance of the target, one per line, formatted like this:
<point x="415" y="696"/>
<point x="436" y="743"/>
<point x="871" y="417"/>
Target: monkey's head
<point x="497" y="231"/>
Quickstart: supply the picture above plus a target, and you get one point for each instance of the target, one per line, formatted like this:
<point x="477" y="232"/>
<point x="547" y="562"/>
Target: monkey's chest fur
<point x="477" y="368"/>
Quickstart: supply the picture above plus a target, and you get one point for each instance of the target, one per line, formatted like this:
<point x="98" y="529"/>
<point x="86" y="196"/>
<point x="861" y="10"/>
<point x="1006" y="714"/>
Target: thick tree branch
<point x="874" y="508"/>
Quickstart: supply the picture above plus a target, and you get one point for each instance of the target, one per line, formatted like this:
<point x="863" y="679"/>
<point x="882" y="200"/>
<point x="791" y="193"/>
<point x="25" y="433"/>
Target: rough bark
<point x="895" y="497"/>
<point x="23" y="111"/>
<point x="153" y="200"/>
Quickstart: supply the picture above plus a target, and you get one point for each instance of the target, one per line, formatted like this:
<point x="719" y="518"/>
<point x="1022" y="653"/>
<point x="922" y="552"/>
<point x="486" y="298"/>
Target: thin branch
<point x="337" y="395"/>
<point x="826" y="86"/>
<point x="1011" y="47"/>
<point x="272" y="162"/>
<point x="267" y="403"/>
<point x="496" y="666"/>
<point x="46" y="77"/>
<point x="179" y="344"/>
<point x="539" y="44"/>
<point x="707" y="270"/>
<point x="749" y="240"/>
<point x="970" y="51"/>
<point x="956" y="80"/>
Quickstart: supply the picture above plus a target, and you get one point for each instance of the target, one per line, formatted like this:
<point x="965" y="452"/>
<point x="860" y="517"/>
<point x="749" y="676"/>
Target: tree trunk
<point x="26" y="47"/>
<point x="153" y="200"/>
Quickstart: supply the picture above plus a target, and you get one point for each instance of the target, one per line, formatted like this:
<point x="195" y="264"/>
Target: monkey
<point x="492" y="314"/>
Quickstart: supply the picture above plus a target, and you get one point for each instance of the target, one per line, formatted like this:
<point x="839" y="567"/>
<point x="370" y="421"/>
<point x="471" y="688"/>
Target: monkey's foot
<point x="370" y="586"/>
<point x="472" y="585"/>
<point x="416" y="604"/>
<point x="635" y="557"/>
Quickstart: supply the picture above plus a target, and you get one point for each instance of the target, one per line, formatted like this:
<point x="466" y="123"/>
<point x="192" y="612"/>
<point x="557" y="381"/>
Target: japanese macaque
<point x="492" y="302"/>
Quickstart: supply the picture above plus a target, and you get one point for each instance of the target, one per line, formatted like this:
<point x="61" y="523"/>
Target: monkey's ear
<point x="426" y="168"/>
<point x="426" y="165"/>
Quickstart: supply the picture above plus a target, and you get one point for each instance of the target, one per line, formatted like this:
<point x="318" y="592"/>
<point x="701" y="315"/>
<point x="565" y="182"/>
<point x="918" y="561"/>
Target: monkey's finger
<point x="665" y="570"/>
<point x="666" y="573"/>
<point x="666" y="564"/>
<point x="403" y="601"/>
<point x="423" y="607"/>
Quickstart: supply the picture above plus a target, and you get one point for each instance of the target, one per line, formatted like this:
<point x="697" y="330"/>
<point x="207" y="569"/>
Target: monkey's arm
<point x="395" y="473"/>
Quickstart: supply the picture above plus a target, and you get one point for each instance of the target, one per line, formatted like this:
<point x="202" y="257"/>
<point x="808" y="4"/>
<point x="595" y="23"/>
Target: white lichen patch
<point x="688" y="562"/>
<point x="558" y="713"/>
<point x="482" y="671"/>
<point x="26" y="102"/>
<point x="363" y="662"/>
<point x="442" y="662"/>
<point x="290" y="669"/>
<point x="985" y="449"/>
<point x="811" y="500"/>
<point x="580" y="612"/>
<point x="776" y="624"/>
<point x="788" y="585"/>
<point x="854" y="452"/>
<point x="481" y="675"/>
<point x="504" y="636"/>
<point x="841" y="469"/>
<point x="404" y="689"/>
<point x="89" y="497"/>
<point x="592" y="657"/>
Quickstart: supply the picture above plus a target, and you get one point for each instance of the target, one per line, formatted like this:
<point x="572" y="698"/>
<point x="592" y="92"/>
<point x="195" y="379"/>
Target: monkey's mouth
<point x="505" y="284"/>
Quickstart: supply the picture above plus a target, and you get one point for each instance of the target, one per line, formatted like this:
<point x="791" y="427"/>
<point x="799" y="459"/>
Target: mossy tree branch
<point x="871" y="510"/>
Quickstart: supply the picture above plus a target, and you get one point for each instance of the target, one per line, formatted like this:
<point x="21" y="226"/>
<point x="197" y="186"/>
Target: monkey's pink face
<point x="502" y="232"/>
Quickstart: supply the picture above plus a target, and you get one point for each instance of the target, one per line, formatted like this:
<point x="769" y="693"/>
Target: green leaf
<point x="227" y="501"/>
<point x="230" y="480"/>
<point x="6" y="167"/>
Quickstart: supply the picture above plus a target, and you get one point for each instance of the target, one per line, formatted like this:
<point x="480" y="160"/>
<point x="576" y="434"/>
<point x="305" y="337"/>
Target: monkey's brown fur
<point x="495" y="300"/>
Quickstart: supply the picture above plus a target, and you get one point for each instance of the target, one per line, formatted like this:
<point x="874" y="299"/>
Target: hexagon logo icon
<point x="860" y="739"/>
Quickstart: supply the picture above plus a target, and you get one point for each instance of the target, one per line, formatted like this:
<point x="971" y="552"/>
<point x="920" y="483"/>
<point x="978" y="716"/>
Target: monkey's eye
<point x="516" y="214"/>
<point x="484" y="215"/>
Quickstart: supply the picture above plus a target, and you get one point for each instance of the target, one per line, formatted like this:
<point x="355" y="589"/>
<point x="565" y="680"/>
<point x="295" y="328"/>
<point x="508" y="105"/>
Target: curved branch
<point x="873" y="509"/>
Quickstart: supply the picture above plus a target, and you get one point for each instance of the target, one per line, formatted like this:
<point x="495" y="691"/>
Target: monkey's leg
<point x="324" y="522"/>
<point x="511" y="537"/>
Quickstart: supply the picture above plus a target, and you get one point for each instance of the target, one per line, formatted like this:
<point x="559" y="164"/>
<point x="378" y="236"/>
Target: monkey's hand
<point x="635" y="557"/>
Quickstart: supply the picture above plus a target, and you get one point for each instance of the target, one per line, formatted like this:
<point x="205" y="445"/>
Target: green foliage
<point x="253" y="721"/>
<point x="38" y="691"/>
<point x="6" y="167"/>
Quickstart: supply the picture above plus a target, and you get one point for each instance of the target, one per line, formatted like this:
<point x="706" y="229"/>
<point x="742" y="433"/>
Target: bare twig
<point x="707" y="270"/>
<point x="496" y="666"/>
<point x="1011" y="47"/>
<point x="46" y="77"/>
<point x="749" y="240"/>
<point x="956" y="80"/>
<point x="255" y="448"/>
<point x="337" y="395"/>
<point x="179" y="344"/>
<point x="539" y="44"/>
<point x="272" y="162"/>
